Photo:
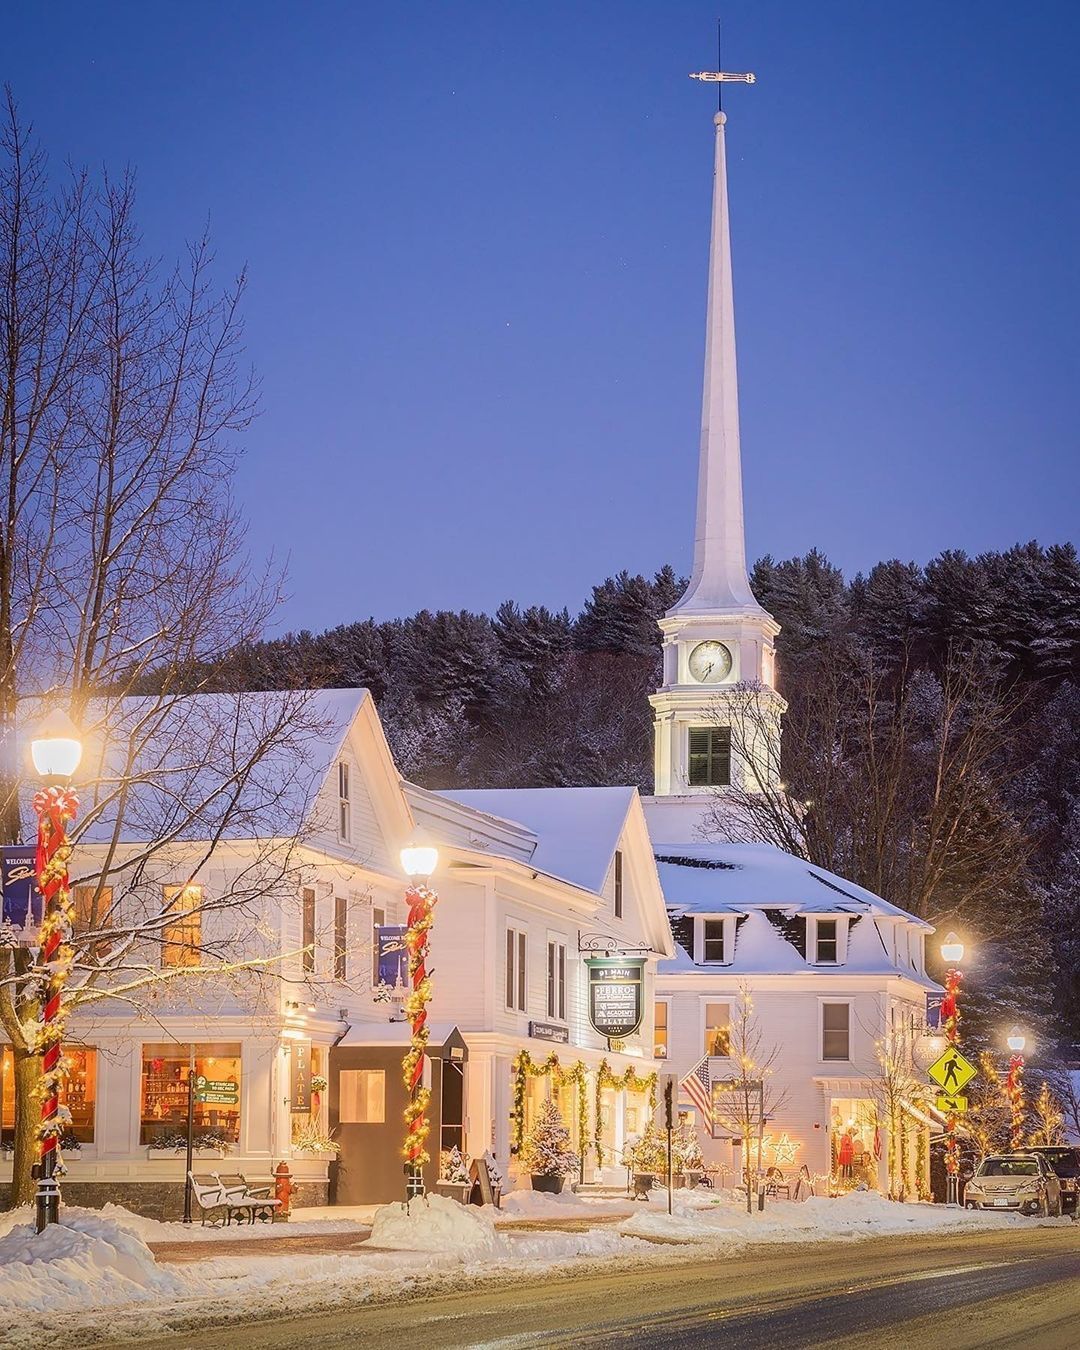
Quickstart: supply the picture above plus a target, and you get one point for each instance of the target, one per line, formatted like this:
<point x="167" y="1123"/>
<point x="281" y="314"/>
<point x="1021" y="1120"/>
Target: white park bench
<point x="224" y="1198"/>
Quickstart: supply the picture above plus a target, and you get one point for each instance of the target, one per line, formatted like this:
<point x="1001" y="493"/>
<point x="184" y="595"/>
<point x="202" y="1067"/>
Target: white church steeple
<point x="717" y="713"/>
<point x="719" y="580"/>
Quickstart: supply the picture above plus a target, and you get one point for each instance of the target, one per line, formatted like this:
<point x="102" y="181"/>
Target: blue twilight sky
<point x="477" y="232"/>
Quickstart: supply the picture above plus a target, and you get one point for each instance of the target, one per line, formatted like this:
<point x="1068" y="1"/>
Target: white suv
<point x="1018" y="1181"/>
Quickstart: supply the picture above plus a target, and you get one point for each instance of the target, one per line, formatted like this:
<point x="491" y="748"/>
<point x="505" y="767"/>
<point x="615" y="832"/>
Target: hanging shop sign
<point x="548" y="1031"/>
<point x="615" y="995"/>
<point x="23" y="904"/>
<point x="299" y="1077"/>
<point x="392" y="956"/>
<point x="217" y="1091"/>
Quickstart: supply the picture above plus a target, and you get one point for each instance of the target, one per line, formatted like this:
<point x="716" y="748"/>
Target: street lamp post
<point x="419" y="858"/>
<point x="952" y="953"/>
<point x="1014" y="1086"/>
<point x="55" y="750"/>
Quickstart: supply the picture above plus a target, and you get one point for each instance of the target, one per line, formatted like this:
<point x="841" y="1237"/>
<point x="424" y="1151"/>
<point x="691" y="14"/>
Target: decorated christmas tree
<point x="546" y="1151"/>
<point x="649" y="1152"/>
<point x="686" y="1150"/>
<point x="453" y="1167"/>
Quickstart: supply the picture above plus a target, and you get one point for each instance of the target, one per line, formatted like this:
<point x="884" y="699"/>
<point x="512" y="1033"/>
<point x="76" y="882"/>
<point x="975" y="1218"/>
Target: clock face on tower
<point x="710" y="662"/>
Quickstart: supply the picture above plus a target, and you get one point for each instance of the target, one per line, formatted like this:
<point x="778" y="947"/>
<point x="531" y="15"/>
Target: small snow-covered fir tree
<point x="546" y="1151"/>
<point x="453" y="1167"/>
<point x="686" y="1149"/>
<point x="649" y="1152"/>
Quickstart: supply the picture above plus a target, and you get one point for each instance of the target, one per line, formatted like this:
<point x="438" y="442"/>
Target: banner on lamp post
<point x="616" y="988"/>
<point x="23" y="903"/>
<point x="392" y="957"/>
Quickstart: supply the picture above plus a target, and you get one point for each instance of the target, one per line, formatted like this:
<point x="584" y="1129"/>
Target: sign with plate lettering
<point x="299" y="1077"/>
<point x="615" y="995"/>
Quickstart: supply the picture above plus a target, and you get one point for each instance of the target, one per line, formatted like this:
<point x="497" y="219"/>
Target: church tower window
<point x="709" y="760"/>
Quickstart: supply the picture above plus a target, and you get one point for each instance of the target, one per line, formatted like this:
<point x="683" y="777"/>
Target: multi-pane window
<point x="515" y="970"/>
<point x="378" y="920"/>
<point x="709" y="760"/>
<point x="618" y="883"/>
<point x="556" y="981"/>
<point x="341" y="936"/>
<point x="718" y="1029"/>
<point x="660" y="1029"/>
<point x="307" y="961"/>
<point x="344" y="816"/>
<point x="712" y="939"/>
<point x="181" y="934"/>
<point x="836" y="1031"/>
<point x="826" y="941"/>
<point x="93" y="909"/>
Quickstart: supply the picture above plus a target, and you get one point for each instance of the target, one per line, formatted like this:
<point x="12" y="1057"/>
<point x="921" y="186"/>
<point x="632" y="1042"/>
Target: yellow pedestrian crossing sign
<point x="951" y="1071"/>
<point x="951" y="1105"/>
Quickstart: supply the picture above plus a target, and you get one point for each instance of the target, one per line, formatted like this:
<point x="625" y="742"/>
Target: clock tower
<point x="717" y="713"/>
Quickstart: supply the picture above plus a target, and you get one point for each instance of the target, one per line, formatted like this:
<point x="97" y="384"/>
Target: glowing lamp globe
<point x="419" y="857"/>
<point x="952" y="950"/>
<point x="1016" y="1040"/>
<point x="55" y="747"/>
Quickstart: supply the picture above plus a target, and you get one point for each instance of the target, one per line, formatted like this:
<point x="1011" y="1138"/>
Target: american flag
<point x="697" y="1085"/>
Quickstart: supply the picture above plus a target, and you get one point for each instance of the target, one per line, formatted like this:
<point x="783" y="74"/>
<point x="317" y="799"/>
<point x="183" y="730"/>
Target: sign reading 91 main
<point x="616" y="996"/>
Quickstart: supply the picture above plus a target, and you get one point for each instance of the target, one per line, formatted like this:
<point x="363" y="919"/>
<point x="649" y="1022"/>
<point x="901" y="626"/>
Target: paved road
<point x="999" y="1289"/>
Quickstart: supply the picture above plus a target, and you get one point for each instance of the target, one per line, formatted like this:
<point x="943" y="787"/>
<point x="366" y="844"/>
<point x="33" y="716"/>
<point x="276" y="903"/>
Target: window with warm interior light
<point x="718" y="1029"/>
<point x="78" y="1092"/>
<point x="660" y="1029"/>
<point x="181" y="936"/>
<point x="362" y="1096"/>
<point x="164" y="1093"/>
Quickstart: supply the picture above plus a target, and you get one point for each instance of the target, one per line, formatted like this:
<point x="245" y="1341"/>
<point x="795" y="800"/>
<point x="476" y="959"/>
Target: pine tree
<point x="546" y="1151"/>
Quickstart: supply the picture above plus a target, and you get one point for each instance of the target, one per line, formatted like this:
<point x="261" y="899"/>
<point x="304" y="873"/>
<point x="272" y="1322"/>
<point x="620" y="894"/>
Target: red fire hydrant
<point x="283" y="1189"/>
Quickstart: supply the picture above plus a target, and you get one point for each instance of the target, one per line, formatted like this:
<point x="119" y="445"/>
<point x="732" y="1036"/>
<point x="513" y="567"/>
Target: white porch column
<point x="480" y="1113"/>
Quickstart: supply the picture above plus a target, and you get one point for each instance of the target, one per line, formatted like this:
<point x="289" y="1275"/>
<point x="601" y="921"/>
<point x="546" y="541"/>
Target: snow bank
<point x="85" y="1260"/>
<point x="435" y="1223"/>
<point x="157" y="1230"/>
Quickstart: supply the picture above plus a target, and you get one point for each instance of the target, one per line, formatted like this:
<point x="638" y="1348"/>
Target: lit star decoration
<point x="784" y="1151"/>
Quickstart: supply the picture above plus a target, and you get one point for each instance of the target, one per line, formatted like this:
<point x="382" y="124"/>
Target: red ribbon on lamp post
<point x="952" y="950"/>
<point x="55" y="808"/>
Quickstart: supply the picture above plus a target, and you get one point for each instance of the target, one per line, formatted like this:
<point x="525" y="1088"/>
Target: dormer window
<point x="826" y="945"/>
<point x="713" y="940"/>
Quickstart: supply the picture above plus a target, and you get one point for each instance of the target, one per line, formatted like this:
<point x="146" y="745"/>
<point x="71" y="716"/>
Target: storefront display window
<point x="78" y="1092"/>
<point x="852" y="1132"/>
<point x="164" y="1097"/>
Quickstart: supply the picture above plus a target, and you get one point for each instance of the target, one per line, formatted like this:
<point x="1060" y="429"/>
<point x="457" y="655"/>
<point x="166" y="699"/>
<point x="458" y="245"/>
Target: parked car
<point x="1066" y="1164"/>
<point x="1020" y="1181"/>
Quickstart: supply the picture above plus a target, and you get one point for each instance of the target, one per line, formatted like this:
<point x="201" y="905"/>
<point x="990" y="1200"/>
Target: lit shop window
<point x="660" y="1030"/>
<point x="78" y="1092"/>
<point x="164" y="1096"/>
<point x="718" y="1029"/>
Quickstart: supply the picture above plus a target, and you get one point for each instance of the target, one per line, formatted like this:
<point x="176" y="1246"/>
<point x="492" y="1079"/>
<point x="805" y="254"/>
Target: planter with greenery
<point x="546" y="1151"/>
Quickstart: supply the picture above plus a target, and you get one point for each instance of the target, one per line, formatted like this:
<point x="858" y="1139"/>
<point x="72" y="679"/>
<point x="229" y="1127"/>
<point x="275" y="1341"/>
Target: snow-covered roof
<point x="770" y="893"/>
<point x="395" y="1033"/>
<point x="576" y="829"/>
<point x="205" y="766"/>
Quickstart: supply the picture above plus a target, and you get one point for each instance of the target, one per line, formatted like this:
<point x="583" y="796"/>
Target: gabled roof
<point x="183" y="758"/>
<point x="576" y="830"/>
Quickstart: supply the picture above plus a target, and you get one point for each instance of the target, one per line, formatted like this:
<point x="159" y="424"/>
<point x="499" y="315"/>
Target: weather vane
<point x="723" y="77"/>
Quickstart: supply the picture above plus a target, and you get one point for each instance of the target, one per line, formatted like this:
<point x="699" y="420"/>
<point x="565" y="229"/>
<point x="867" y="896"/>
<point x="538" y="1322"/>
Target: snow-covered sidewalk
<point x="95" y="1274"/>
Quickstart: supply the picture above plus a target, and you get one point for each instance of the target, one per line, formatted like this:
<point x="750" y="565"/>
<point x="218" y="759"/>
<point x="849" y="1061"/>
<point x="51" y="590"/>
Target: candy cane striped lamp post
<point x="56" y="750"/>
<point x="1014" y="1087"/>
<point x="952" y="953"/>
<point x="419" y="858"/>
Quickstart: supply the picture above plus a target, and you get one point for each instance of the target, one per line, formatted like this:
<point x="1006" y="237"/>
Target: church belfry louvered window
<point x="709" y="759"/>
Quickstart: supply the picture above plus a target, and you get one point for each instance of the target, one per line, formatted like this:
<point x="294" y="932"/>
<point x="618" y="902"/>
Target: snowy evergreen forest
<point x="933" y="730"/>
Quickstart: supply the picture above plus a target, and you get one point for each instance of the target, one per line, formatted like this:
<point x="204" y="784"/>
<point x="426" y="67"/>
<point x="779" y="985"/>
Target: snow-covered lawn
<point x="94" y="1275"/>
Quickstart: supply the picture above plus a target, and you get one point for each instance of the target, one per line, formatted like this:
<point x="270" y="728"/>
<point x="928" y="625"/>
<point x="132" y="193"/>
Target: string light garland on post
<point x="1014" y="1087"/>
<point x="952" y="952"/>
<point x="419" y="858"/>
<point x="56" y="751"/>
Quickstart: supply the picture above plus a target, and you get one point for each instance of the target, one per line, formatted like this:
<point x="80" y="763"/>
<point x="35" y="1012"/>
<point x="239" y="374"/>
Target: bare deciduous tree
<point x="123" y="582"/>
